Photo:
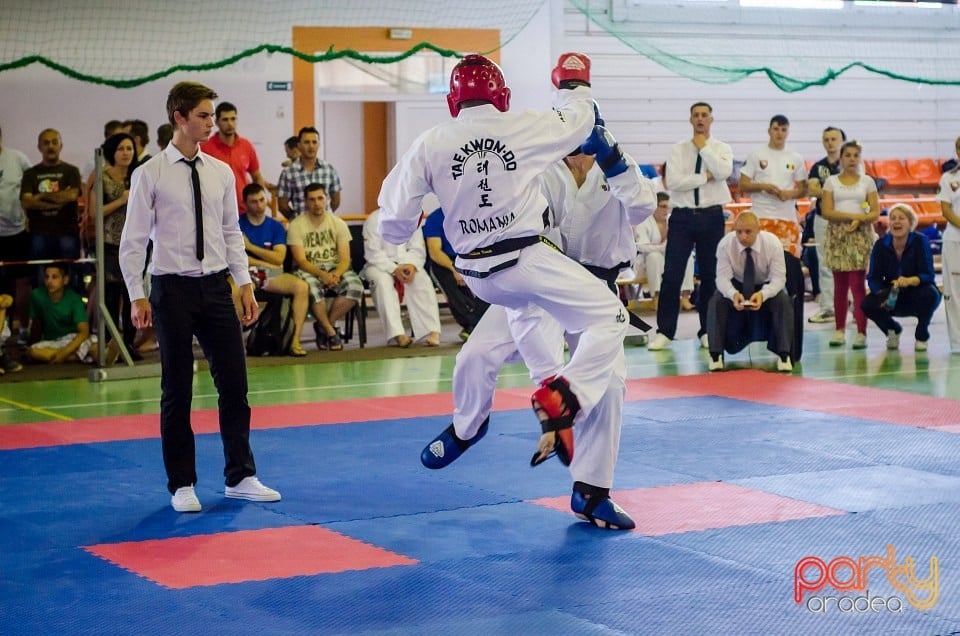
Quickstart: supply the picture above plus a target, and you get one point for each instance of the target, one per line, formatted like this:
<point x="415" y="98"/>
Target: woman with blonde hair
<point x="850" y="204"/>
<point x="901" y="279"/>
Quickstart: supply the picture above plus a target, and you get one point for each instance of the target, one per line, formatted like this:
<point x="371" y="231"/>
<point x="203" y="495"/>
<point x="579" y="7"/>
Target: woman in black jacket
<point x="901" y="279"/>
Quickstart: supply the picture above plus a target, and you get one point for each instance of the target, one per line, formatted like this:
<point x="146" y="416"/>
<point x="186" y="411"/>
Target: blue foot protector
<point x="594" y="504"/>
<point x="447" y="447"/>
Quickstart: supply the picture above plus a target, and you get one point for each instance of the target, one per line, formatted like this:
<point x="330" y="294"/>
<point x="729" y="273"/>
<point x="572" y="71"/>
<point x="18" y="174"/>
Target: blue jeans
<point x="688" y="229"/>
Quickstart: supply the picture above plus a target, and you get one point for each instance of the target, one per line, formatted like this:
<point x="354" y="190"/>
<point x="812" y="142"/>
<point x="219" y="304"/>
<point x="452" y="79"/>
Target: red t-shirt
<point x="241" y="157"/>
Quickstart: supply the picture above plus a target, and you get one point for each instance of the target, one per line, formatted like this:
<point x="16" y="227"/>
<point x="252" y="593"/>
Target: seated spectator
<point x="651" y="239"/>
<point x="266" y="243"/>
<point x="7" y="364"/>
<point x="320" y="244"/>
<point x="396" y="274"/>
<point x="751" y="277"/>
<point x="466" y="308"/>
<point x="59" y="328"/>
<point x="901" y="279"/>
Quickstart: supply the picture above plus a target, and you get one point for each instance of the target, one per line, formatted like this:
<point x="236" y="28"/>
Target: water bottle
<point x="892" y="298"/>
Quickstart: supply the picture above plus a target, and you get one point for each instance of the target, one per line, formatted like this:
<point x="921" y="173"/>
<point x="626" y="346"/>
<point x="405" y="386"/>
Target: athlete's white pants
<point x="650" y="266"/>
<point x="419" y="295"/>
<point x="951" y="291"/>
<point x="597" y="436"/>
<point x="544" y="279"/>
<point x="826" y="274"/>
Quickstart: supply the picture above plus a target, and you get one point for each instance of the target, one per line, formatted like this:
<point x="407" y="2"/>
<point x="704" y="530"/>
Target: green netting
<point x="725" y="44"/>
<point x="125" y="43"/>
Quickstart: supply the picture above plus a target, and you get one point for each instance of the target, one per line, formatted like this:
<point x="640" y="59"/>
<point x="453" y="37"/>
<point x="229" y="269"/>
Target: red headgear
<point x="476" y="77"/>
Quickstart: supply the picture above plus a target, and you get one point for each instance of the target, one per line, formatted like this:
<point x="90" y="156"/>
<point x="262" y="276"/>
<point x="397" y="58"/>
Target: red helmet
<point x="476" y="77"/>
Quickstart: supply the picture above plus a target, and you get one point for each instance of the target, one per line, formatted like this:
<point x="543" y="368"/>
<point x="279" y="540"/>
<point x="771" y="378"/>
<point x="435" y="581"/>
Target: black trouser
<point x="184" y="307"/>
<point x="920" y="301"/>
<point x="466" y="308"/>
<point x="689" y="228"/>
<point x="730" y="330"/>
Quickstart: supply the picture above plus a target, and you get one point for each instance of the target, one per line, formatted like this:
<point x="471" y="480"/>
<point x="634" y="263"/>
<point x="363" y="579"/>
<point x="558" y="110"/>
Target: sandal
<point x="335" y="343"/>
<point x="296" y="350"/>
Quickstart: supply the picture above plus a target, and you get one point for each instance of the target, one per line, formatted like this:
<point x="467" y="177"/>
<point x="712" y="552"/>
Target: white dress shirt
<point x="768" y="261"/>
<point x="682" y="179"/>
<point x="160" y="207"/>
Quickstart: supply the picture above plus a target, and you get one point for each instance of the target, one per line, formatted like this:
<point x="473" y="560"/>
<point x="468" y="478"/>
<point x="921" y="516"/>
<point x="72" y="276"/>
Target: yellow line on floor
<point x="27" y="407"/>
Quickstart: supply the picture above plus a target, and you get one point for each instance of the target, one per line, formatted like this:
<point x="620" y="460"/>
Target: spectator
<point x="234" y="150"/>
<point x="851" y="205"/>
<point x="396" y="274"/>
<point x="14" y="238"/>
<point x="775" y="178"/>
<point x="696" y="175"/>
<point x="164" y="135"/>
<point x="49" y="193"/>
<point x="651" y="238"/>
<point x="119" y="154"/>
<point x="833" y="139"/>
<point x="949" y="197"/>
<point x="266" y="243"/>
<point x="303" y="171"/>
<point x="7" y="364"/>
<point x="138" y="129"/>
<point x="467" y="308"/>
<point x="751" y="277"/>
<point x="901" y="279"/>
<point x="59" y="328"/>
<point x="291" y="150"/>
<point x="320" y="244"/>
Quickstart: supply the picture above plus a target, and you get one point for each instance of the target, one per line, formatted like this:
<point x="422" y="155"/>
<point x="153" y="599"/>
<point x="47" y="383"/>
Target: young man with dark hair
<point x="302" y="172"/>
<point x="235" y="151"/>
<point x="833" y="139"/>
<point x="178" y="190"/>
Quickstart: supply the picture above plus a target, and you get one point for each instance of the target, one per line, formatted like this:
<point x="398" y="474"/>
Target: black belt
<point x="505" y="246"/>
<point x="709" y="208"/>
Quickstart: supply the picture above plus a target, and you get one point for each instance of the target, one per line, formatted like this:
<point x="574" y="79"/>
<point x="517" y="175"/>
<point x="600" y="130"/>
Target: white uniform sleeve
<point x="401" y="195"/>
<point x="634" y="191"/>
<point x="718" y="159"/>
<point x="778" y="268"/>
<point x="374" y="250"/>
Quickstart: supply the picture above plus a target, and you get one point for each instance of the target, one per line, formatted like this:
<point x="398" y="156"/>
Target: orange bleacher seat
<point x="894" y="172"/>
<point x="929" y="213"/>
<point x="926" y="171"/>
<point x="868" y="168"/>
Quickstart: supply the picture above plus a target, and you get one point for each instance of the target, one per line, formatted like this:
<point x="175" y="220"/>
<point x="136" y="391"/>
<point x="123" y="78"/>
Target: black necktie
<point x="696" y="191"/>
<point x="749" y="273"/>
<point x="197" y="205"/>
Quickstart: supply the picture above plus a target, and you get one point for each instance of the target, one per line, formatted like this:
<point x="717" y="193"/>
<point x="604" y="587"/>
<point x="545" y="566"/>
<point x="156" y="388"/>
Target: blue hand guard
<point x="609" y="157"/>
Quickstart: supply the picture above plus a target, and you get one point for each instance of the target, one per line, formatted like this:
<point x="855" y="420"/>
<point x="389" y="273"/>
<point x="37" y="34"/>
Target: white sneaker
<point x="250" y="488"/>
<point x="893" y="340"/>
<point x="185" y="500"/>
<point x="838" y="339"/>
<point x="704" y="342"/>
<point x="784" y="365"/>
<point x="659" y="343"/>
<point x="921" y="345"/>
<point x="860" y="341"/>
<point x="716" y="365"/>
<point x="821" y="317"/>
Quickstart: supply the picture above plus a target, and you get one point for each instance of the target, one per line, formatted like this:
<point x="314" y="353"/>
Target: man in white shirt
<point x="775" y="177"/>
<point x="751" y="277"/>
<point x="696" y="176"/>
<point x="14" y="239"/>
<point x="179" y="190"/>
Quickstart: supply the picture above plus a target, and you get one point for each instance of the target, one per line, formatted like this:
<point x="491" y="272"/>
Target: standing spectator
<point x="775" y="178"/>
<point x="302" y="172"/>
<point x="138" y="129"/>
<point x="850" y="204"/>
<point x="833" y="138"/>
<point x="696" y="175"/>
<point x="49" y="193"/>
<point x="14" y="238"/>
<point x="164" y="135"/>
<point x="901" y="279"/>
<point x="651" y="239"/>
<point x="119" y="156"/>
<point x="949" y="197"/>
<point x="320" y="244"/>
<point x="396" y="274"/>
<point x="291" y="149"/>
<point x="266" y="243"/>
<point x="176" y="191"/>
<point x="234" y="150"/>
<point x="467" y="308"/>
